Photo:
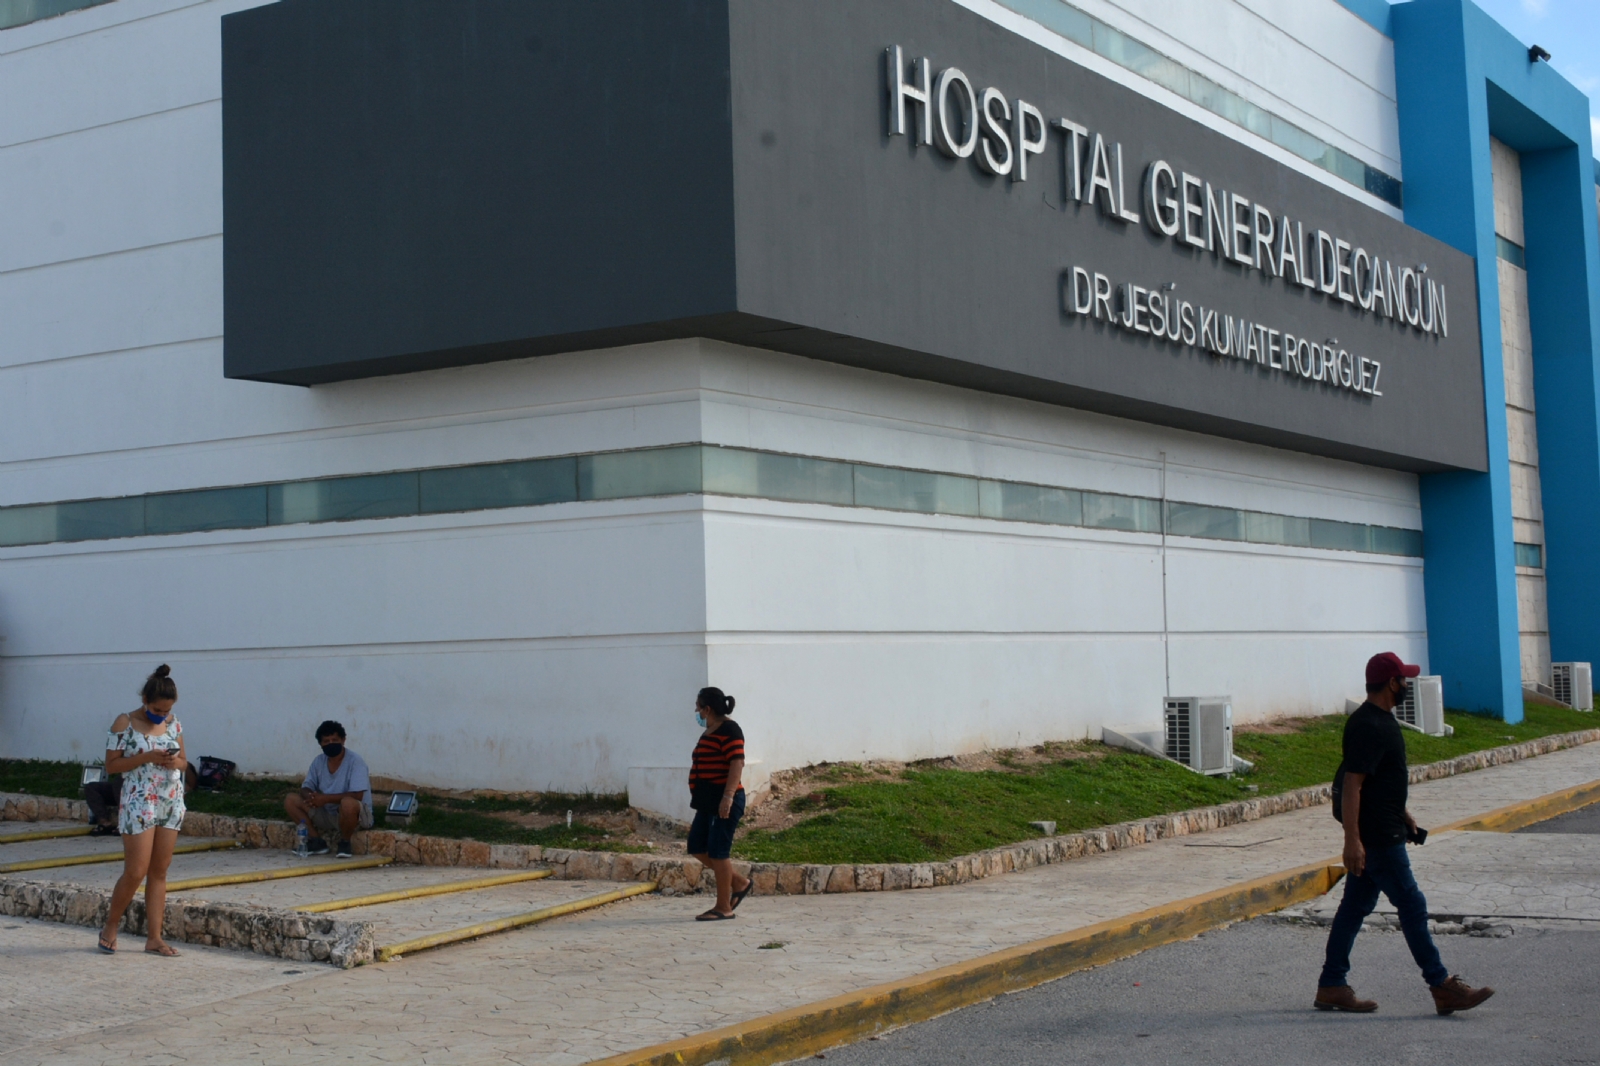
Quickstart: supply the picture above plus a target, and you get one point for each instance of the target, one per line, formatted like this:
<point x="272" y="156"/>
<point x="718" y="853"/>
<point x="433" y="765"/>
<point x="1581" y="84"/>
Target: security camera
<point x="1536" y="53"/>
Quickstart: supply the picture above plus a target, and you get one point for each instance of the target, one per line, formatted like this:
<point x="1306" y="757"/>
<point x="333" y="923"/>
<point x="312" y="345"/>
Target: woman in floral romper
<point x="146" y="748"/>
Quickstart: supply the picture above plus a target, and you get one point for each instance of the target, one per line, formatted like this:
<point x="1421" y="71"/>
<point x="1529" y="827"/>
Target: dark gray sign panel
<point x="900" y="185"/>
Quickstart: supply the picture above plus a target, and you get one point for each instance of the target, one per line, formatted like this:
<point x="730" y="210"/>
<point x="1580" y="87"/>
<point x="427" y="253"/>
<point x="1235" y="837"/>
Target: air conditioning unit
<point x="1573" y="684"/>
<point x="1200" y="732"/>
<point x="1423" y="707"/>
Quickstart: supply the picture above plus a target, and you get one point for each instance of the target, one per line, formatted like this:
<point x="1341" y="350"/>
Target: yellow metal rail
<point x="107" y="856"/>
<point x="44" y="834"/>
<point x="332" y="866"/>
<point x="472" y="932"/>
<point x="425" y="890"/>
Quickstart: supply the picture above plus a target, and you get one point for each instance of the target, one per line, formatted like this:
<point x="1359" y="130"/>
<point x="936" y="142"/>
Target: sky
<point x="1570" y="31"/>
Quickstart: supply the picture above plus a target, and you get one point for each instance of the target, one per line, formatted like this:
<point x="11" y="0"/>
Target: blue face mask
<point x="155" y="719"/>
<point x="698" y="717"/>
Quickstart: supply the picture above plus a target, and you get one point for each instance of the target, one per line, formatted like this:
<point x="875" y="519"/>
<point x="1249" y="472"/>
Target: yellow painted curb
<point x="1530" y="812"/>
<point x="44" y="834"/>
<point x="816" y="1027"/>
<point x="108" y="856"/>
<point x="425" y="890"/>
<point x="472" y="932"/>
<point x="332" y="866"/>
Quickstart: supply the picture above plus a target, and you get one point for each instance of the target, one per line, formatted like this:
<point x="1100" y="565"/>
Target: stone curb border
<point x="685" y="875"/>
<point x="1531" y="812"/>
<point x="816" y="1027"/>
<point x="243" y="927"/>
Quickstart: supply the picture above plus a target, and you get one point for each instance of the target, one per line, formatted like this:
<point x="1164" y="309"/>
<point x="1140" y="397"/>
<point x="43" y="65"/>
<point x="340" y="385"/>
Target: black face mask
<point x="334" y="750"/>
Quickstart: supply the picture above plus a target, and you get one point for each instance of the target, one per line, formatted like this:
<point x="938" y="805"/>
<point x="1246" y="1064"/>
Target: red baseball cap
<point x="1380" y="668"/>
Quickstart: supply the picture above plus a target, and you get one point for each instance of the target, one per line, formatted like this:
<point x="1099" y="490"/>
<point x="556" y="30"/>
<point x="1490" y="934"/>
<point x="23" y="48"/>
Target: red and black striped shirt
<point x="708" y="774"/>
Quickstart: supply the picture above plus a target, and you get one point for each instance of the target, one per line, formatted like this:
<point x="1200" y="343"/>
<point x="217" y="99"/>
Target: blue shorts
<point x="713" y="836"/>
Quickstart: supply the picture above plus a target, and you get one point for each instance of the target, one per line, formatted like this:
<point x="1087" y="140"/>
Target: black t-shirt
<point x="1374" y="746"/>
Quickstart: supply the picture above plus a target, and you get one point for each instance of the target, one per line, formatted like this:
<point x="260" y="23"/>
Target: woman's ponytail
<point x="716" y="701"/>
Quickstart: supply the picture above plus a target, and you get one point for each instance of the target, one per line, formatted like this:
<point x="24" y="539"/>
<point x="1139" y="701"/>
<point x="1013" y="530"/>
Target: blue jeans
<point x="1388" y="871"/>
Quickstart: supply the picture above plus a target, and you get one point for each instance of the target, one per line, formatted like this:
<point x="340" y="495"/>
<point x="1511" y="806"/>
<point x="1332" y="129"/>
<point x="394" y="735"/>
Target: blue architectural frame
<point x="1374" y="12"/>
<point x="1462" y="78"/>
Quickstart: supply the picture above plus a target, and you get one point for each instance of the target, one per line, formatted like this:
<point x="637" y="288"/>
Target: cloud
<point x="1536" y="8"/>
<point x="1594" y="130"/>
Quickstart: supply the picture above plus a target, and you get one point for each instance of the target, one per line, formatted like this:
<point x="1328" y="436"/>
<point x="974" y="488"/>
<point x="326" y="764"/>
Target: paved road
<point x="1582" y="820"/>
<point x="1242" y="995"/>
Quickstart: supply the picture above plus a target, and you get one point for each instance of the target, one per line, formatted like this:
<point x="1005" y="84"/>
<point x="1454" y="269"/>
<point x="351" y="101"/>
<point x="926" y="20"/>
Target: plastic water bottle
<point x="302" y="846"/>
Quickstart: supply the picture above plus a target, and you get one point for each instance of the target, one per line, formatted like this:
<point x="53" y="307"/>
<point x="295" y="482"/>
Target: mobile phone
<point x="1417" y="836"/>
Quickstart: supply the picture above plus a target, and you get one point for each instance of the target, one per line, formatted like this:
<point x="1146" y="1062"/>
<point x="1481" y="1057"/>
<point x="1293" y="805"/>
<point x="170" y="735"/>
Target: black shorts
<point x="713" y="836"/>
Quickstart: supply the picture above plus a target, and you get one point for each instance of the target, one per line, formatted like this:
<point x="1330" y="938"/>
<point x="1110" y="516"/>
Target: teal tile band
<point x="22" y="12"/>
<point x="684" y="469"/>
<point x="1511" y="252"/>
<point x="1105" y="40"/>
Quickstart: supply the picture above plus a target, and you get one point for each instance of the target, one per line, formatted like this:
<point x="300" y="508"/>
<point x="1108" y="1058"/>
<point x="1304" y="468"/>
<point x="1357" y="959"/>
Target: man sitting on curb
<point x="1376" y="828"/>
<point x="336" y="796"/>
<point x="104" y="799"/>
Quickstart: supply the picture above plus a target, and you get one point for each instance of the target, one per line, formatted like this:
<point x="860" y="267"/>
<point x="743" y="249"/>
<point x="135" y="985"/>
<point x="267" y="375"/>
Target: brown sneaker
<point x="1455" y="994"/>
<point x="1343" y="997"/>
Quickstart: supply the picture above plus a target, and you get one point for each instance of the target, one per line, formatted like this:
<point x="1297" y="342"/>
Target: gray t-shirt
<point x="350" y="777"/>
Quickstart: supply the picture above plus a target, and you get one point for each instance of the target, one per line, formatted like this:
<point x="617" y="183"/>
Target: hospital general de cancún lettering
<point x="1000" y="134"/>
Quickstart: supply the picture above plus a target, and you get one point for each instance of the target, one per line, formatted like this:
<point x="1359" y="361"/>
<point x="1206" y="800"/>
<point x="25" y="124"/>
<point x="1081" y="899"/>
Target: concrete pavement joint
<point x="1521" y="815"/>
<point x="845" y="1019"/>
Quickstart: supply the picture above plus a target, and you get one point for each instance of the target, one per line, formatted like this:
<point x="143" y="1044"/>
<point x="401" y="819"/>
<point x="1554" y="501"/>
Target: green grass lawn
<point x="932" y="815"/>
<point x="440" y="815"/>
<point x="1295" y="760"/>
<point x="927" y="814"/>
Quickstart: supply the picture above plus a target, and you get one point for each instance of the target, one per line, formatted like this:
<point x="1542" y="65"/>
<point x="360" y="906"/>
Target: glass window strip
<point x="684" y="469"/>
<point x="1511" y="252"/>
<point x="1105" y="40"/>
<point x="1530" y="555"/>
<point x="21" y="12"/>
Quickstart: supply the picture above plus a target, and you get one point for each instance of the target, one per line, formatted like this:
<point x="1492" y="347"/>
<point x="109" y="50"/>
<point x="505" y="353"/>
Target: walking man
<point x="1376" y="828"/>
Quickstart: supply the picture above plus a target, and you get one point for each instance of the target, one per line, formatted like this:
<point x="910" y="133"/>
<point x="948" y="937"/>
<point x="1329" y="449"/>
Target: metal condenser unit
<point x="1573" y="684"/>
<point x="1200" y="732"/>
<point x="1423" y="707"/>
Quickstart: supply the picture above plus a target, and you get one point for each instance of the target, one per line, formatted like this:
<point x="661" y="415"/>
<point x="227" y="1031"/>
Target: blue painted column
<point x="1469" y="564"/>
<point x="1563" y="254"/>
<point x="1461" y="78"/>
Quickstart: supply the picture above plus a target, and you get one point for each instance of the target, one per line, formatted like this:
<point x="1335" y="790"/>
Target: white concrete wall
<point x="528" y="648"/>
<point x="557" y="647"/>
<point x="850" y="631"/>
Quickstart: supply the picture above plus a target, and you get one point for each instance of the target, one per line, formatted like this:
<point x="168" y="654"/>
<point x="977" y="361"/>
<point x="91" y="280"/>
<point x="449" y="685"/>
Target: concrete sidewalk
<point x="641" y="972"/>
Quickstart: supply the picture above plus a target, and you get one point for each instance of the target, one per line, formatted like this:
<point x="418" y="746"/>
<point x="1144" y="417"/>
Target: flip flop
<point x="166" y="951"/>
<point x="714" y="916"/>
<point x="738" y="897"/>
<point x="109" y="949"/>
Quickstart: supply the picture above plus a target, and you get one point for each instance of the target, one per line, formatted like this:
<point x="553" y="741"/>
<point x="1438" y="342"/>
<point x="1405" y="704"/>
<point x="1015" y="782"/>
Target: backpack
<point x="215" y="772"/>
<point x="1338" y="794"/>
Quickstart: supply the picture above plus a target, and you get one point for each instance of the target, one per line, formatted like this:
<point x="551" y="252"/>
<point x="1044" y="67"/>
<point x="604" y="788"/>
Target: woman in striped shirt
<point x="717" y="797"/>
